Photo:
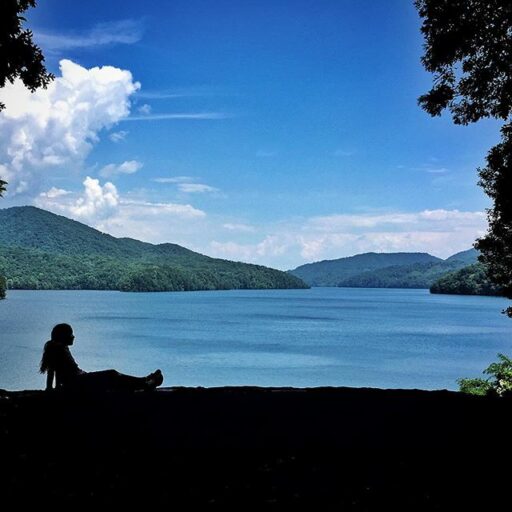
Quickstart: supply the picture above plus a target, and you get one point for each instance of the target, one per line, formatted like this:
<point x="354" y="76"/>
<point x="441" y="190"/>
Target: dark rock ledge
<point x="257" y="448"/>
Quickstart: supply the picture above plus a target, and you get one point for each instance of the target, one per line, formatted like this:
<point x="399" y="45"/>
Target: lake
<point x="389" y="338"/>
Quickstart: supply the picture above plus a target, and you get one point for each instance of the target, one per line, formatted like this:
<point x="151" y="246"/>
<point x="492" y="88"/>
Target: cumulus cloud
<point x="128" y="167"/>
<point x="118" y="136"/>
<point x="114" y="32"/>
<point x="98" y="202"/>
<point x="102" y="207"/>
<point x="57" y="127"/>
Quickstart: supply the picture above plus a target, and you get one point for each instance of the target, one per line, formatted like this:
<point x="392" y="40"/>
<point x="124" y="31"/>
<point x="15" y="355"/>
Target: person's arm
<point x="49" y="380"/>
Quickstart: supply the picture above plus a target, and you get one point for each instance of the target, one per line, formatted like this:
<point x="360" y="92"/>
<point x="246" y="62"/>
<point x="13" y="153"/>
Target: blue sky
<point x="274" y="132"/>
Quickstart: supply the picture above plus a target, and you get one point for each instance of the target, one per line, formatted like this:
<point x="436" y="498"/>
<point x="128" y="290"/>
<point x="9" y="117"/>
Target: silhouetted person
<point x="58" y="363"/>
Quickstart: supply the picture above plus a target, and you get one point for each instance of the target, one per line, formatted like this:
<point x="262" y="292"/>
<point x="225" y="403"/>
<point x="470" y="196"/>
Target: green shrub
<point x="499" y="383"/>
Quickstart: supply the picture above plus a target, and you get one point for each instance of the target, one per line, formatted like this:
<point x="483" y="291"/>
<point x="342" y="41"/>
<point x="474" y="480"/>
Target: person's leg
<point x="129" y="382"/>
<point x="115" y="381"/>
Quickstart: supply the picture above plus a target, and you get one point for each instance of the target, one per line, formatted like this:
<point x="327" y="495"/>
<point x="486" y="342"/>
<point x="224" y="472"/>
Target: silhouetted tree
<point x="468" y="48"/>
<point x="19" y="56"/>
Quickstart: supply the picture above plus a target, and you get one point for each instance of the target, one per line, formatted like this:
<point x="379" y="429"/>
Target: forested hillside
<point x="41" y="250"/>
<point x="418" y="275"/>
<point x="335" y="272"/>
<point x="470" y="280"/>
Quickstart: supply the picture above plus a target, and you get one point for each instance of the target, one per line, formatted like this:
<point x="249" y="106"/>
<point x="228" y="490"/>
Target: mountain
<point x="41" y="250"/>
<point x="469" y="257"/>
<point x="384" y="270"/>
<point x="417" y="275"/>
<point x="470" y="280"/>
<point x="335" y="272"/>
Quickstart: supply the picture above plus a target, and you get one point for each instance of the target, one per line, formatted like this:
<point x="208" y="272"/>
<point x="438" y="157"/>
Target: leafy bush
<point x="501" y="383"/>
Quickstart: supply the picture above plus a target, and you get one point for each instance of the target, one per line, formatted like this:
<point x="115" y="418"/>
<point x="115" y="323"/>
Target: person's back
<point x="57" y="361"/>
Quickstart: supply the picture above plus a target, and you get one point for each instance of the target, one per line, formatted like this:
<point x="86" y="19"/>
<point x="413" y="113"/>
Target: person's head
<point x="63" y="333"/>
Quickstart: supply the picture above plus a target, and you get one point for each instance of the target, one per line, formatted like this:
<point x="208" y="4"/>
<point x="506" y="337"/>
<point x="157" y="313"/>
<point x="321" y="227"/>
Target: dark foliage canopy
<point x="470" y="280"/>
<point x="468" y="48"/>
<point x="19" y="56"/>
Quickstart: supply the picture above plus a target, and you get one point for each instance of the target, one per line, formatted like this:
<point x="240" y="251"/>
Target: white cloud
<point x="182" y="210"/>
<point x="102" y="207"/>
<point x="182" y="115"/>
<point x="118" y="136"/>
<point x="98" y="201"/>
<point x="57" y="127"/>
<point x="185" y="184"/>
<point x="289" y="244"/>
<point x="114" y="32"/>
<point x="196" y="188"/>
<point x="55" y="192"/>
<point x="175" y="179"/>
<point x="242" y="228"/>
<point x="144" y="109"/>
<point x="439" y="170"/>
<point x="162" y="95"/>
<point x="128" y="167"/>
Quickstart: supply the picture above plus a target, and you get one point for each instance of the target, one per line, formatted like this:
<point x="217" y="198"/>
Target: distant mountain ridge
<point x="383" y="270"/>
<point x="42" y="250"/>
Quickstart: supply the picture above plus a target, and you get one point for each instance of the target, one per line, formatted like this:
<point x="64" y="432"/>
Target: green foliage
<point x="496" y="245"/>
<point x="468" y="48"/>
<point x="475" y="386"/>
<point x="2" y="187"/>
<point x="418" y="275"/>
<point x="470" y="280"/>
<point x="40" y="250"/>
<point x="500" y="383"/>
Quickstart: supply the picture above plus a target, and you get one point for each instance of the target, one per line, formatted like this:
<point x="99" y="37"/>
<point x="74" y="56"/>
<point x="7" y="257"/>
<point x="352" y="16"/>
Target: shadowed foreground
<point x="328" y="448"/>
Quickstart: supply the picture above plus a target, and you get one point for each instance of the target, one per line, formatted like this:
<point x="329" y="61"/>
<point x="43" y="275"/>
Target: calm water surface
<point x="389" y="338"/>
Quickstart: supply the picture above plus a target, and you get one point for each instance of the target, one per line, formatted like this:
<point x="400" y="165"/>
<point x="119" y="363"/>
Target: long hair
<point x="60" y="332"/>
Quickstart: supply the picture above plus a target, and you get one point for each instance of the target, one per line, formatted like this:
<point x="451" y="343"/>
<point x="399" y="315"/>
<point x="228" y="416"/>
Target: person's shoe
<point x="155" y="379"/>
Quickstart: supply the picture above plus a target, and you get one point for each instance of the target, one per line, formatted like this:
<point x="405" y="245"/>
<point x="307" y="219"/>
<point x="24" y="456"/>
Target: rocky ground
<point x="257" y="448"/>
